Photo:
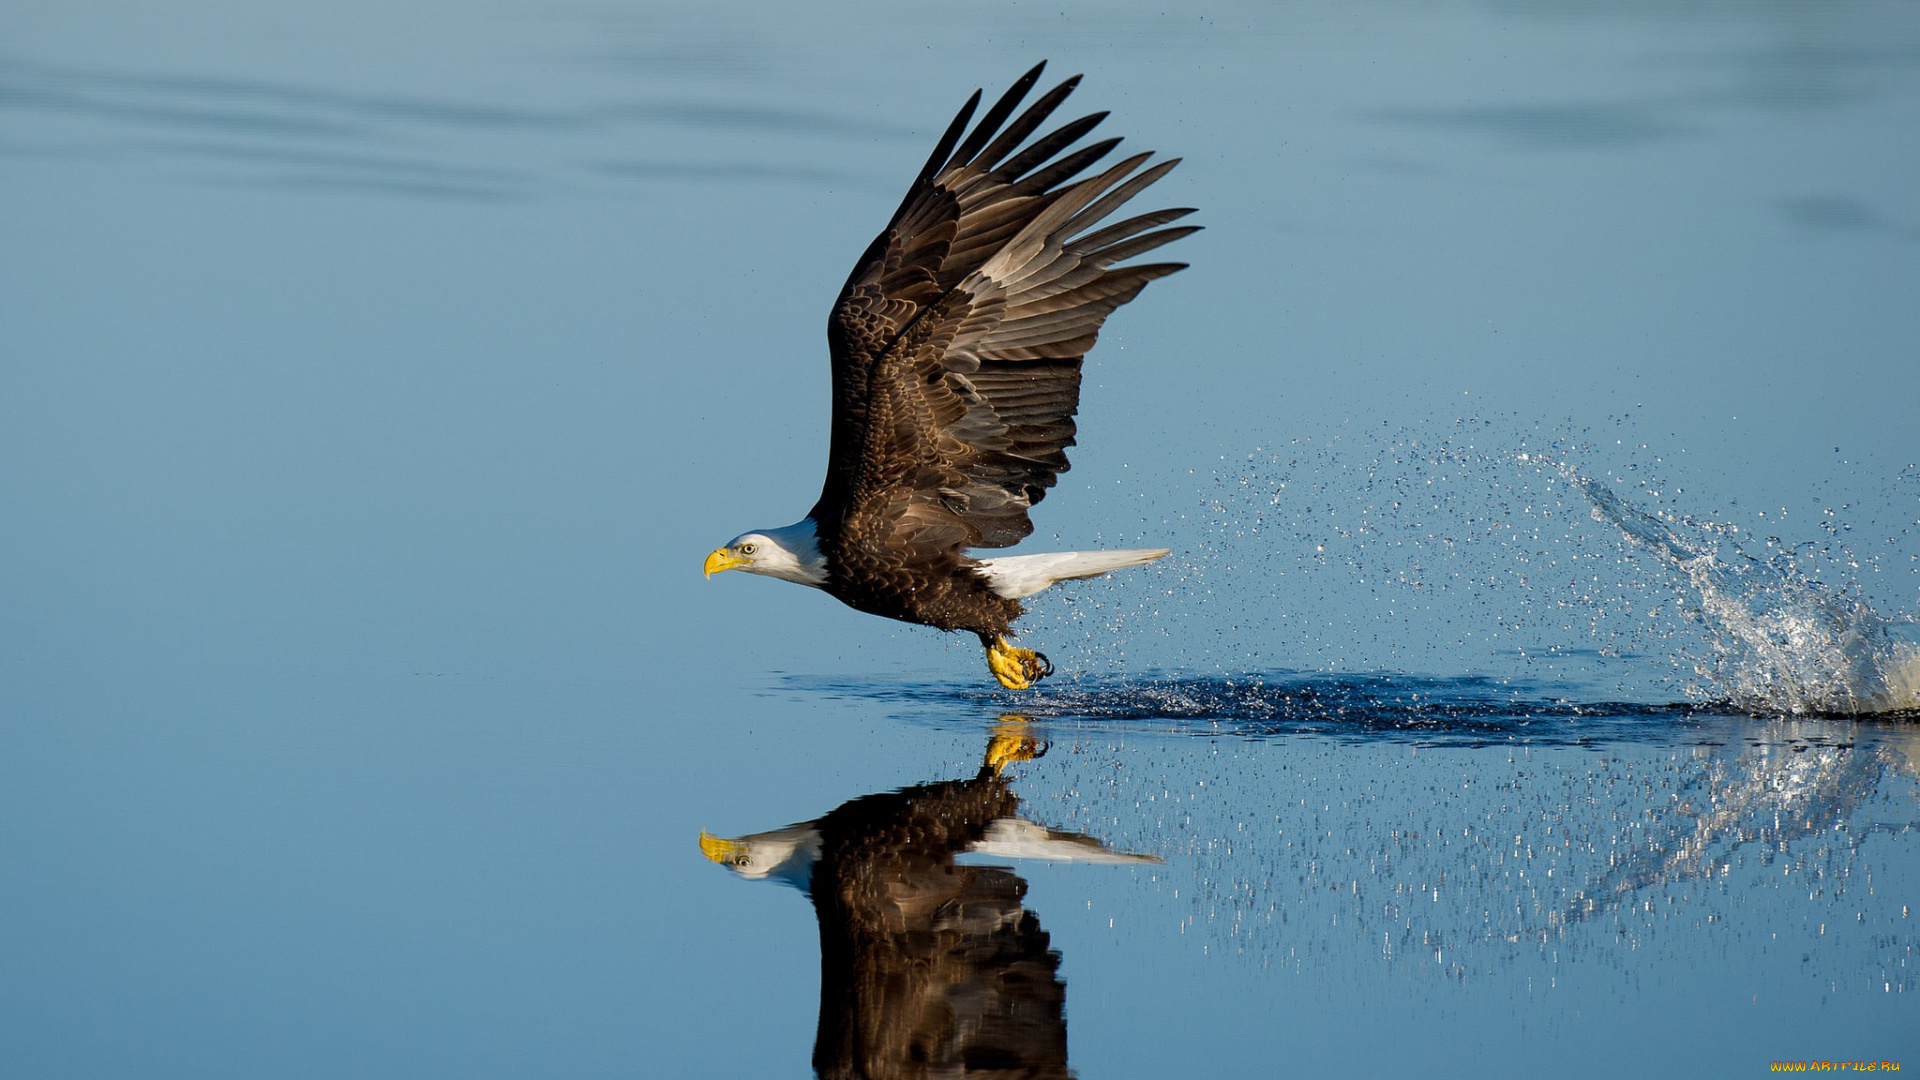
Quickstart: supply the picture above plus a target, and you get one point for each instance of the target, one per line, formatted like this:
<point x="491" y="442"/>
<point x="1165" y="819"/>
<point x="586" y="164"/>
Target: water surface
<point x="1530" y="686"/>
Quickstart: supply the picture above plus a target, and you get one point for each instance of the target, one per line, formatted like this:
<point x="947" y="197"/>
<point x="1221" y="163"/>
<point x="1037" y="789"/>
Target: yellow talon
<point x="1017" y="669"/>
<point x="1012" y="742"/>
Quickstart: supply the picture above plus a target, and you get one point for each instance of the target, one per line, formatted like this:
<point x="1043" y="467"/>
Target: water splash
<point x="1392" y="550"/>
<point x="1782" y="640"/>
<point x="1466" y="547"/>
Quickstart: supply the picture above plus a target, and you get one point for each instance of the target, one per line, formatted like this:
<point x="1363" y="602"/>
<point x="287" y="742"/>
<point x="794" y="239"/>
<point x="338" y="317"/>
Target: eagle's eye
<point x="746" y="549"/>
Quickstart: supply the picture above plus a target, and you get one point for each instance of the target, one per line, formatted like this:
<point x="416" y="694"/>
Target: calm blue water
<point x="1532" y="685"/>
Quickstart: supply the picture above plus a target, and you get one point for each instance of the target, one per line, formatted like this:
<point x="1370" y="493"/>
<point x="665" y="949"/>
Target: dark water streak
<point x="1459" y="711"/>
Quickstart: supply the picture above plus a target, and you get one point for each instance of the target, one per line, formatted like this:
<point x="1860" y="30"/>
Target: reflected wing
<point x="958" y="339"/>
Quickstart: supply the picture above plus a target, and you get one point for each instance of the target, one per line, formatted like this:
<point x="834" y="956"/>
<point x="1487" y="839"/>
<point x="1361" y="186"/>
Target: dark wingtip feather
<point x="1048" y="145"/>
<point x="1026" y="124"/>
<point x="944" y="148"/>
<point x="990" y="123"/>
<point x="1069" y="166"/>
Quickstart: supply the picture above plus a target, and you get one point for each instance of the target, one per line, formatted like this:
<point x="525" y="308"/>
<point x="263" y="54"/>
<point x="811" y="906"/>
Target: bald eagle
<point x="929" y="967"/>
<point x="956" y="346"/>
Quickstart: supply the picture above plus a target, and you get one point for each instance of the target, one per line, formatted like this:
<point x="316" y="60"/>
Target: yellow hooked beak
<point x="722" y="559"/>
<point x="720" y="851"/>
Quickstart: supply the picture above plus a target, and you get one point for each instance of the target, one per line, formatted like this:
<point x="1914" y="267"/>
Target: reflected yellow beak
<point x="722" y="559"/>
<point x="720" y="851"/>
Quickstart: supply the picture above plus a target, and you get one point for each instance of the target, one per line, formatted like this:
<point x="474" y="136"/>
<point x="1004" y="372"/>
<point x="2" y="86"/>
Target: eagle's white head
<point x="791" y="554"/>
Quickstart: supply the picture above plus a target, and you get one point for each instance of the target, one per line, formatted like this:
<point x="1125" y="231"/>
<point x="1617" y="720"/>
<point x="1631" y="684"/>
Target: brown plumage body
<point x="928" y="968"/>
<point x="956" y="360"/>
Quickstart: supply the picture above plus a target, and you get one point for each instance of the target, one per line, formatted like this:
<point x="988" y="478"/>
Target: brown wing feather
<point x="968" y="200"/>
<point x="957" y="345"/>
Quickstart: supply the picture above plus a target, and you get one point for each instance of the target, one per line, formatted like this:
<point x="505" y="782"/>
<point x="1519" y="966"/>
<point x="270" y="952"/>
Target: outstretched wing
<point x="958" y="339"/>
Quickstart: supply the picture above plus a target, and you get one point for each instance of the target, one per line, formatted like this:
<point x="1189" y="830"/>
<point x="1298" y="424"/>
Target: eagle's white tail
<point x="1015" y="576"/>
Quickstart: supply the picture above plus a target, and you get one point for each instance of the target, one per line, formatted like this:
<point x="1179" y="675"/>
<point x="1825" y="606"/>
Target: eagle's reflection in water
<point x="928" y="968"/>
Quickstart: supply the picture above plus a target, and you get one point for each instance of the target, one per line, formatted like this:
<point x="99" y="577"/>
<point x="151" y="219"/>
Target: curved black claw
<point x="1040" y="665"/>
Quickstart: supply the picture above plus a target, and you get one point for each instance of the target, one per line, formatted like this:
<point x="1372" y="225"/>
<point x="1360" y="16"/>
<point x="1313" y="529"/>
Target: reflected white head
<point x="787" y="854"/>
